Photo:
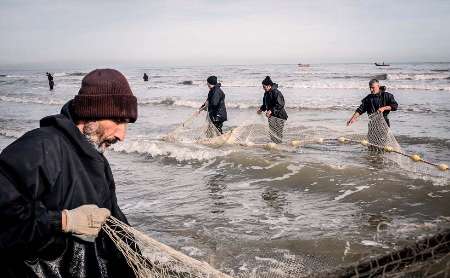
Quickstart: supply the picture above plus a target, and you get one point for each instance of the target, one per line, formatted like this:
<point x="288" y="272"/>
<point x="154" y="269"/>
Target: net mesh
<point x="429" y="257"/>
<point x="149" y="258"/>
<point x="275" y="133"/>
<point x="196" y="129"/>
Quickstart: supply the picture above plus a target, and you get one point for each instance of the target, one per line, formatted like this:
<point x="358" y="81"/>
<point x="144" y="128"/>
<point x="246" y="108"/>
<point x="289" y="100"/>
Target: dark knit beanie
<point x="105" y="94"/>
<point x="212" y="80"/>
<point x="267" y="81"/>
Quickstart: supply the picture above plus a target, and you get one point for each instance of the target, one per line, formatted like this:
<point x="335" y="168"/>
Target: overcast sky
<point x="223" y="32"/>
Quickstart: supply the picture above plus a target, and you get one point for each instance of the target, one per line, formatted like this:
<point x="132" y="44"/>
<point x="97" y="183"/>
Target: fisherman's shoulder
<point x="387" y="94"/>
<point x="39" y="138"/>
<point x="367" y="98"/>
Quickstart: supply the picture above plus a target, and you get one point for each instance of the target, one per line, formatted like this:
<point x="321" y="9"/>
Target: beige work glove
<point x="85" y="221"/>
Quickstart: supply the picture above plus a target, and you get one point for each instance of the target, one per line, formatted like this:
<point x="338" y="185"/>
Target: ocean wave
<point x="332" y="83"/>
<point x="31" y="100"/>
<point x="10" y="133"/>
<point x="413" y="76"/>
<point x="408" y="140"/>
<point x="382" y="76"/>
<point x="180" y="153"/>
<point x="361" y="86"/>
<point x="172" y="102"/>
<point x="186" y="82"/>
<point x="75" y="73"/>
<point x="13" y="76"/>
<point x="301" y="107"/>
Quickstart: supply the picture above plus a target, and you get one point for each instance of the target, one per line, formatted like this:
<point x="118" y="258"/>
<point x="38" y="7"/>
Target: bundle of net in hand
<point x="150" y="258"/>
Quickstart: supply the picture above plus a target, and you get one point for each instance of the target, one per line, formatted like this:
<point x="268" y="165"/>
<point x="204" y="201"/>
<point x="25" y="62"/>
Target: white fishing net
<point x="429" y="257"/>
<point x="150" y="258"/>
<point x="275" y="133"/>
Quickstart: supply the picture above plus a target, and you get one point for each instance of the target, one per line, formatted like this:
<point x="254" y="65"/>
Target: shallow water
<point x="234" y="206"/>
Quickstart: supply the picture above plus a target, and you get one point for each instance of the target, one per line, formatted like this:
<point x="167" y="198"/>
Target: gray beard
<point x="94" y="143"/>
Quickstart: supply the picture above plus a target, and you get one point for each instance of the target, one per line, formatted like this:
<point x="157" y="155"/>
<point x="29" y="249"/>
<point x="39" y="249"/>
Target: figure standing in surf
<point x="215" y="103"/>
<point x="273" y="105"/>
<point x="377" y="101"/>
<point x="51" y="83"/>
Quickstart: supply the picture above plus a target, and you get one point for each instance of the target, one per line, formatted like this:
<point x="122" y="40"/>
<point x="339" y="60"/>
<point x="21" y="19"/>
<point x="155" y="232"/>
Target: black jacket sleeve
<point x="362" y="108"/>
<point x="391" y="102"/>
<point x="263" y="106"/>
<point x="279" y="103"/>
<point x="28" y="168"/>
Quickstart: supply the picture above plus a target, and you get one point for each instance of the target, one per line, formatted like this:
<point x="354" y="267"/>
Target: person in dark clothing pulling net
<point x="57" y="188"/>
<point x="51" y="83"/>
<point x="215" y="103"/>
<point x="378" y="101"/>
<point x="273" y="105"/>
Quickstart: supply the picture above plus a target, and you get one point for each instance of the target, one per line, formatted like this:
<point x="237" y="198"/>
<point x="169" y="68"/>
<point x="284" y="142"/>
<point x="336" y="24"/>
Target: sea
<point x="238" y="207"/>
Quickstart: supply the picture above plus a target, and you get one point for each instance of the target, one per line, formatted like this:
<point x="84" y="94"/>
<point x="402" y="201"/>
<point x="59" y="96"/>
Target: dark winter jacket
<point x="216" y="104"/>
<point x="45" y="171"/>
<point x="372" y="102"/>
<point x="274" y="101"/>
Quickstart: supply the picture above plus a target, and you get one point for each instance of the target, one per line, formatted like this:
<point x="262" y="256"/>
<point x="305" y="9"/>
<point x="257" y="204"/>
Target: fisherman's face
<point x="267" y="88"/>
<point x="374" y="88"/>
<point x="104" y="133"/>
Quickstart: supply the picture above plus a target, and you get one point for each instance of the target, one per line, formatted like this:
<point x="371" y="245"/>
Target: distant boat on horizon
<point x="381" y="65"/>
<point x="303" y="65"/>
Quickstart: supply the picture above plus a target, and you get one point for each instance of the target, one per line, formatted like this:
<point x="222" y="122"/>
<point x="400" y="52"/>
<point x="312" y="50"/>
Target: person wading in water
<point x="273" y="105"/>
<point x="215" y="103"/>
<point x="51" y="83"/>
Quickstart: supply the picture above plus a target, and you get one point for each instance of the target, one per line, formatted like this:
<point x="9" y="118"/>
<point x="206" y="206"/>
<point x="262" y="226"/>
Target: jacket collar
<point x="64" y="122"/>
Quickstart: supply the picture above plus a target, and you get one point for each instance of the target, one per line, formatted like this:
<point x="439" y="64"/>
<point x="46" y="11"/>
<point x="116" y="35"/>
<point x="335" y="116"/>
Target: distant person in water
<point x="377" y="101"/>
<point x="51" y="83"/>
<point x="215" y="103"/>
<point x="273" y="105"/>
<point x="145" y="77"/>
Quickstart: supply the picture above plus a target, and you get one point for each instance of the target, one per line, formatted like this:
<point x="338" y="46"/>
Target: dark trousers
<point x="51" y="84"/>
<point x="219" y="126"/>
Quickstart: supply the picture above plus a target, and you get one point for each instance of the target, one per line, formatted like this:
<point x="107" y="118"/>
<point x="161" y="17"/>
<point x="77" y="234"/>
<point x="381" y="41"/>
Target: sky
<point x="201" y="32"/>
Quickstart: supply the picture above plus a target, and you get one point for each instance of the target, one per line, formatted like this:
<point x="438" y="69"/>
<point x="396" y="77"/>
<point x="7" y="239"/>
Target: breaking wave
<point x="180" y="153"/>
<point x="31" y="100"/>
